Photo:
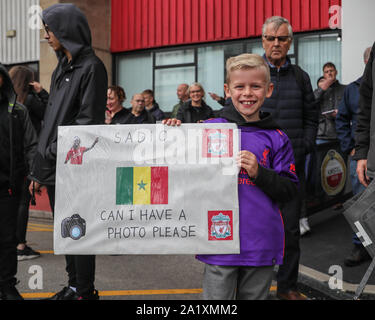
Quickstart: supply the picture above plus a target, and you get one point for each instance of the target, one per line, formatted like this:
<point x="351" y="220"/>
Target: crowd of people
<point x="270" y="99"/>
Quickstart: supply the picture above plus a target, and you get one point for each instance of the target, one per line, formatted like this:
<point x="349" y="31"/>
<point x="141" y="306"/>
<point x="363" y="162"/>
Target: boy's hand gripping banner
<point x="147" y="189"/>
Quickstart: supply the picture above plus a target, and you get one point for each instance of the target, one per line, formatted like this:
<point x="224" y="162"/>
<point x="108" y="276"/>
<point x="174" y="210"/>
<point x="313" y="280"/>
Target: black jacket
<point x="189" y="114"/>
<point x="328" y="100"/>
<point x="144" y="118"/>
<point x="17" y="139"/>
<point x="293" y="107"/>
<point x="156" y="112"/>
<point x="365" y="131"/>
<point x="125" y="116"/>
<point x="121" y="117"/>
<point x="78" y="88"/>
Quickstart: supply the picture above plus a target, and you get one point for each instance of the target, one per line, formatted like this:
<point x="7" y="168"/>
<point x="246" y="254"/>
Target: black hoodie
<point x="17" y="139"/>
<point x="78" y="90"/>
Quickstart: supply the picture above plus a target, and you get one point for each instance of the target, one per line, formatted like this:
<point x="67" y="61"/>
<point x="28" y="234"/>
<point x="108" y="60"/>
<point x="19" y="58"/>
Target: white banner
<point x="147" y="189"/>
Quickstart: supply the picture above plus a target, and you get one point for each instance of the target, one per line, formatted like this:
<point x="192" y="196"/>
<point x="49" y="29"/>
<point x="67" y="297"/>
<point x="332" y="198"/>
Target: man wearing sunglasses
<point x="78" y="96"/>
<point x="292" y="105"/>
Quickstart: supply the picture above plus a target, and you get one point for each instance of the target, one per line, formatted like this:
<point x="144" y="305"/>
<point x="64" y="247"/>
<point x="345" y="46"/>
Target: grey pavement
<point x="179" y="277"/>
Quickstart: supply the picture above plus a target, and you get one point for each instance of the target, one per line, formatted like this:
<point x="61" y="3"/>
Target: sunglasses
<point x="280" y="38"/>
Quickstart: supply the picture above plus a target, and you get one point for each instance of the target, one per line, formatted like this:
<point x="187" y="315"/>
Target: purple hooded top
<point x="260" y="222"/>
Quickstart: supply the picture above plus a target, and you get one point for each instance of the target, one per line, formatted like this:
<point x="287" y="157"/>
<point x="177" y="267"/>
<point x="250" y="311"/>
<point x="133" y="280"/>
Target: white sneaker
<point x="302" y="228"/>
<point x="305" y="223"/>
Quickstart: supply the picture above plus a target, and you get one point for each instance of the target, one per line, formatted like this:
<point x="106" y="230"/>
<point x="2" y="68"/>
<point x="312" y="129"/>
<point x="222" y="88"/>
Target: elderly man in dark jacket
<point x="77" y="97"/>
<point x="292" y="105"/>
<point x="17" y="139"/>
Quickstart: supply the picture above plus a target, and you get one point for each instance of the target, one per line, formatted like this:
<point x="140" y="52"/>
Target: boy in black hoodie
<point x="78" y="96"/>
<point x="17" y="140"/>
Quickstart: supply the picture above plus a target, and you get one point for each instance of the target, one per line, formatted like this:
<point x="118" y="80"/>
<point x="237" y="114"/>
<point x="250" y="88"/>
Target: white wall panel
<point x="25" y="46"/>
<point x="357" y="34"/>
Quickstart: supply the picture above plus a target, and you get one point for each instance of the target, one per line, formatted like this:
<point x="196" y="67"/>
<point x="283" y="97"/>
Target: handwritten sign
<point x="149" y="189"/>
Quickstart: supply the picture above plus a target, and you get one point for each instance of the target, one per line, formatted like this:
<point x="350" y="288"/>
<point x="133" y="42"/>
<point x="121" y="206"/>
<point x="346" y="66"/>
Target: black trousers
<point x="23" y="213"/>
<point x="80" y="268"/>
<point x="8" y="240"/>
<point x="287" y="275"/>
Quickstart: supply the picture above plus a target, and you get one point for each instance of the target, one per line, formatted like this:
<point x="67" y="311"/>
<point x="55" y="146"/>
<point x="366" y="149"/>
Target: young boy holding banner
<point x="267" y="177"/>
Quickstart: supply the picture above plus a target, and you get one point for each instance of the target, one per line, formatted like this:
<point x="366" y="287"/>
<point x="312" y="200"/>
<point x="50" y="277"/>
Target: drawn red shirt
<point x="75" y="155"/>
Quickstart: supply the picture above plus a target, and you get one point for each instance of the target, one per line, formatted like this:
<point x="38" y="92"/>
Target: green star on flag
<point x="142" y="185"/>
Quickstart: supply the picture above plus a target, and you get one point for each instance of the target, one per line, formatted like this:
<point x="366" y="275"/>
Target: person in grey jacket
<point x="328" y="95"/>
<point x="77" y="97"/>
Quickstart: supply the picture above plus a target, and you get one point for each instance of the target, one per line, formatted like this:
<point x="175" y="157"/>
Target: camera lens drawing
<point x="73" y="227"/>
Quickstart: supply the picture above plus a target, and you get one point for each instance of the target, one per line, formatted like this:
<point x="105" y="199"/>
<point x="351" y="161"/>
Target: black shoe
<point x="65" y="294"/>
<point x="358" y="255"/>
<point x="27" y="253"/>
<point x="93" y="296"/>
<point x="10" y="293"/>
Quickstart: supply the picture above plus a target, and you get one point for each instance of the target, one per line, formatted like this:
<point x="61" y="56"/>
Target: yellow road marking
<point x="36" y="227"/>
<point x="109" y="293"/>
<point x="39" y="230"/>
<point x="40" y="225"/>
<point x="46" y="251"/>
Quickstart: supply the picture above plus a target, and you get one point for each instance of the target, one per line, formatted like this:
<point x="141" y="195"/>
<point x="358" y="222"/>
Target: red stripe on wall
<point x="195" y="21"/>
<point x="250" y="17"/>
<point x="138" y="24"/>
<point x="226" y="19"/>
<point x="315" y="14"/>
<point x="242" y="19"/>
<point x="159" y="185"/>
<point x="277" y="8"/>
<point x="296" y="14"/>
<point x="305" y="12"/>
<point x="286" y="9"/>
<point x="234" y="15"/>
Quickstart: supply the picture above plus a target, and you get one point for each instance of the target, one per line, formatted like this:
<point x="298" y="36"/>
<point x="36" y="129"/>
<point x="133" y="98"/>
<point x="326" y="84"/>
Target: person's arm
<point x="35" y="105"/>
<point x="92" y="146"/>
<point x="279" y="182"/>
<point x="310" y="114"/>
<point x="30" y="140"/>
<point x="318" y="93"/>
<point x="217" y="98"/>
<point x="343" y="123"/>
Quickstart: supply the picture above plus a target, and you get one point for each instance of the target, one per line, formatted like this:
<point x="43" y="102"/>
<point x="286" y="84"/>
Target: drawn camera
<point x="73" y="227"/>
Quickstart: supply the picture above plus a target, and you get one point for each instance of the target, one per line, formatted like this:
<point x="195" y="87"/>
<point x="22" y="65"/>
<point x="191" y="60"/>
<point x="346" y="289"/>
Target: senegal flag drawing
<point x="142" y="185"/>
